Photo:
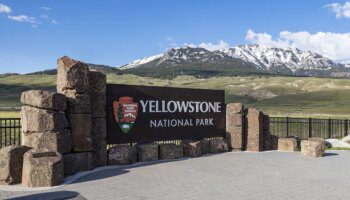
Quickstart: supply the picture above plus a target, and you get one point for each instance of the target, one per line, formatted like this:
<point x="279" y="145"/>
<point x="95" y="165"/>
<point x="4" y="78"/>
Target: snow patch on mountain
<point x="269" y="57"/>
<point x="138" y="62"/>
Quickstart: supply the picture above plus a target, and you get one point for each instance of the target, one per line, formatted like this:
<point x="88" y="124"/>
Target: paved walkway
<point x="243" y="175"/>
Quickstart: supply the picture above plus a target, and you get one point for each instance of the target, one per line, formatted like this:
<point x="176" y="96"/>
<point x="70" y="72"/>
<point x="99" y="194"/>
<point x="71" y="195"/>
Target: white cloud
<point x="54" y="21"/>
<point x="4" y="9"/>
<point x="335" y="46"/>
<point x="341" y="11"/>
<point x="213" y="47"/>
<point x="45" y="8"/>
<point x="44" y="17"/>
<point x="23" y="18"/>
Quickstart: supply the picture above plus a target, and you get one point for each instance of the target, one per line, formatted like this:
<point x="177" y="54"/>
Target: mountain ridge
<point x="253" y="58"/>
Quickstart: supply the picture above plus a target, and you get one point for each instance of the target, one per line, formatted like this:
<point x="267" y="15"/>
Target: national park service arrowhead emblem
<point x="125" y="113"/>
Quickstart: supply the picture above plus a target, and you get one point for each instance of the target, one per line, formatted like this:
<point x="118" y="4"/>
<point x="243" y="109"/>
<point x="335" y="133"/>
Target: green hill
<point x="278" y="96"/>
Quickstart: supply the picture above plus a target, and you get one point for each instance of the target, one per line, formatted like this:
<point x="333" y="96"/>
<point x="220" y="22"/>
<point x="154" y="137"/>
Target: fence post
<point x="329" y="128"/>
<point x="346" y="128"/>
<point x="310" y="127"/>
<point x="287" y="126"/>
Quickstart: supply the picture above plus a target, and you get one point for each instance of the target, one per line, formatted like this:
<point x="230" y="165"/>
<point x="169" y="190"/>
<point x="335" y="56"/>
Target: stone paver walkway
<point x="242" y="175"/>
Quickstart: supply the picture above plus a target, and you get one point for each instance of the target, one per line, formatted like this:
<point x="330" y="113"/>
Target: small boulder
<point x="287" y="144"/>
<point x="147" y="152"/>
<point x="312" y="148"/>
<point x="170" y="151"/>
<point x="192" y="148"/>
<point x="122" y="155"/>
<point x="218" y="146"/>
<point x="76" y="162"/>
<point x="44" y="100"/>
<point x="11" y="163"/>
<point x="42" y="169"/>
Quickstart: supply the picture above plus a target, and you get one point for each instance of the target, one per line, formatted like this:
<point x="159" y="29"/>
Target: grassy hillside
<point x="278" y="96"/>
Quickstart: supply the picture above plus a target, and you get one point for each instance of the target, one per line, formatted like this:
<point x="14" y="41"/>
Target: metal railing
<point x="309" y="127"/>
<point x="10" y="131"/>
<point x="10" y="128"/>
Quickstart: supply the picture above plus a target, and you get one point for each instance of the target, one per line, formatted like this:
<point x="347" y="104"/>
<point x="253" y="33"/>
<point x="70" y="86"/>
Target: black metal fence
<point x="10" y="128"/>
<point x="309" y="127"/>
<point x="10" y="131"/>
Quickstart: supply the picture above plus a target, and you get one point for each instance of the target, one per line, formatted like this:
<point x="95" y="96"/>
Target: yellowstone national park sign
<point x="145" y="114"/>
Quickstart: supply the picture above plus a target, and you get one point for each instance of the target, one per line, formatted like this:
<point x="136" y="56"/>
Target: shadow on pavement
<point x="330" y="154"/>
<point x="58" y="195"/>
<point x="107" y="173"/>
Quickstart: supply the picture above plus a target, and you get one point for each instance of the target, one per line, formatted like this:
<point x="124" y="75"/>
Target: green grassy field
<point x="278" y="96"/>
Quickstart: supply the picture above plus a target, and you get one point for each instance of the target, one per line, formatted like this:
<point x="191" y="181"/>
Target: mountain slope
<point x="243" y="59"/>
<point x="100" y="68"/>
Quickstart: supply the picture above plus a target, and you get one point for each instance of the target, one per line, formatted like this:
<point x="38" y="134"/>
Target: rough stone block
<point x="72" y="74"/>
<point x="147" y="152"/>
<point x="98" y="103"/>
<point x="42" y="169"/>
<point x="170" y="151"/>
<point x="192" y="148"/>
<point x="100" y="153"/>
<point x="218" y="146"/>
<point x="98" y="93"/>
<point x="39" y="120"/>
<point x="255" y="130"/>
<point x="287" y="144"/>
<point x="273" y="142"/>
<point x="234" y="136"/>
<point x="11" y="162"/>
<point x="234" y="108"/>
<point x="266" y="132"/>
<point x="80" y="125"/>
<point x="44" y="100"/>
<point x="205" y="146"/>
<point x="122" y="155"/>
<point x="59" y="141"/>
<point x="99" y="131"/>
<point x="314" y="147"/>
<point x="98" y="82"/>
<point x="76" y="162"/>
<point x="78" y="103"/>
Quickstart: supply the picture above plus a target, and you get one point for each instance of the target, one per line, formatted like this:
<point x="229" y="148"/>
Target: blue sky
<point x="34" y="33"/>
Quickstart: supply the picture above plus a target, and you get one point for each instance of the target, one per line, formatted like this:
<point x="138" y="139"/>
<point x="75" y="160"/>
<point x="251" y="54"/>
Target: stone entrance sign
<point x="146" y="114"/>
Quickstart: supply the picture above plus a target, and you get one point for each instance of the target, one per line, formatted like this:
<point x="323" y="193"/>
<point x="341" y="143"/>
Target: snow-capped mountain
<point x="267" y="58"/>
<point x="241" y="59"/>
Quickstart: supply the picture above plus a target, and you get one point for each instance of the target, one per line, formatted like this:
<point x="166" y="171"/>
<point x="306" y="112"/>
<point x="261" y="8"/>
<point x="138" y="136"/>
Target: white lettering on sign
<point x="164" y="123"/>
<point x="152" y="106"/>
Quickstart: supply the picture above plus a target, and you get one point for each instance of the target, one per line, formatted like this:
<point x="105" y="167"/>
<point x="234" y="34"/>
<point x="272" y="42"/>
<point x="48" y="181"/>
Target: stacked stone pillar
<point x="266" y="133"/>
<point x="234" y="126"/>
<point x="73" y="82"/>
<point x="45" y="129"/>
<point x="98" y="113"/>
<point x="255" y="130"/>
